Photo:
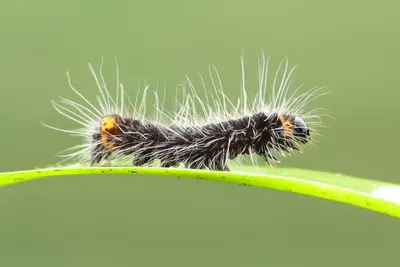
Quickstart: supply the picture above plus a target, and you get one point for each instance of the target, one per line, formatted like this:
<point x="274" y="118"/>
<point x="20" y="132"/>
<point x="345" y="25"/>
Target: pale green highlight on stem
<point x="374" y="195"/>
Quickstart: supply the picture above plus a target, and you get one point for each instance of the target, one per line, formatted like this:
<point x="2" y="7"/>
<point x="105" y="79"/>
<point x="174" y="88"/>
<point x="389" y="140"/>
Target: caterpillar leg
<point x="190" y="165"/>
<point x="100" y="159"/>
<point x="169" y="164"/>
<point x="143" y="160"/>
<point x="221" y="166"/>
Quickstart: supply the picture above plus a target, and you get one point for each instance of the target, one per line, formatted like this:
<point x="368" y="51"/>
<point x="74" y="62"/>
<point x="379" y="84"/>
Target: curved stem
<point x="373" y="195"/>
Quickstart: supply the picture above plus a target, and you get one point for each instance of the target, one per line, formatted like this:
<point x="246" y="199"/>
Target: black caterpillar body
<point x="223" y="131"/>
<point x="209" y="146"/>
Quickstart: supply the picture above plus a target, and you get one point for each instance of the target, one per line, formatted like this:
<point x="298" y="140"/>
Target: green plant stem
<point x="373" y="195"/>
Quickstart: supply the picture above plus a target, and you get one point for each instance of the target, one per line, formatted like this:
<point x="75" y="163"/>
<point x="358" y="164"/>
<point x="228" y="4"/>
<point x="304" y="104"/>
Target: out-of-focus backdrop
<point x="352" y="47"/>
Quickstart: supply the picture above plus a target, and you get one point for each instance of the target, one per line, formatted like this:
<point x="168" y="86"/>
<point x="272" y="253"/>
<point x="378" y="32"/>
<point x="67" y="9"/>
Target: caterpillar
<point x="202" y="133"/>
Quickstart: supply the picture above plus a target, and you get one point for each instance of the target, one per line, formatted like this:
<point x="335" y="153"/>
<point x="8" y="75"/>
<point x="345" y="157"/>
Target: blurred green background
<point x="352" y="47"/>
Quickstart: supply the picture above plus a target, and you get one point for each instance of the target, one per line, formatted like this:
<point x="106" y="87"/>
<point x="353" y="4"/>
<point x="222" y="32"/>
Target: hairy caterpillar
<point x="200" y="134"/>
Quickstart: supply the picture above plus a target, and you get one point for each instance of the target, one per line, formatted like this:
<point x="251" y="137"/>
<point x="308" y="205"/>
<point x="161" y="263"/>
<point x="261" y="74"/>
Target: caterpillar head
<point x="295" y="128"/>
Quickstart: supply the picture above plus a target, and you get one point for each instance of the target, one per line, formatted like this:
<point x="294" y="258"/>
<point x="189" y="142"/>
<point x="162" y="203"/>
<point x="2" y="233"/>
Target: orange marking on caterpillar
<point x="108" y="128"/>
<point x="287" y="125"/>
